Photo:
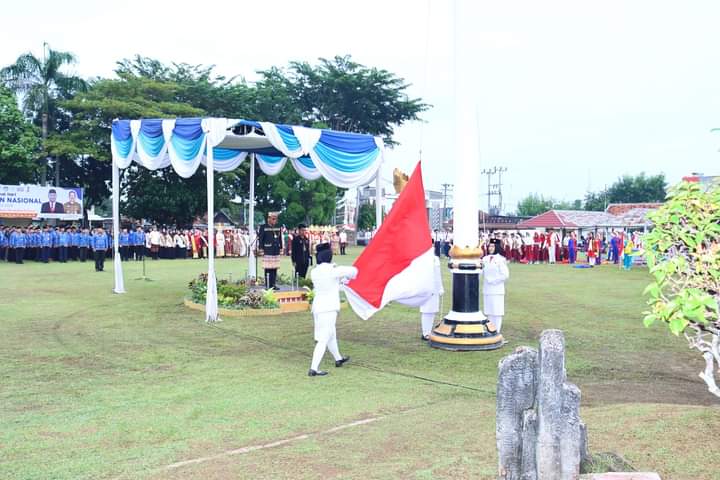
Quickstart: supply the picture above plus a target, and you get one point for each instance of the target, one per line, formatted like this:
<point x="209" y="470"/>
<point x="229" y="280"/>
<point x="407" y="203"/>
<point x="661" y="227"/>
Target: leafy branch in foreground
<point x="683" y="254"/>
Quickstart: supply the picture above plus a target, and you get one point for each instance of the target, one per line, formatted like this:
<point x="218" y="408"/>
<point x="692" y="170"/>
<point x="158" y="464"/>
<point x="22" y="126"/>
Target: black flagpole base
<point x="465" y="328"/>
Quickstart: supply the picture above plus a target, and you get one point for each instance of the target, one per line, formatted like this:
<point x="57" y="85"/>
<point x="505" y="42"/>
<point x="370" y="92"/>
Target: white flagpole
<point x="117" y="264"/>
<point x="211" y="307"/>
<point x="251" y="221"/>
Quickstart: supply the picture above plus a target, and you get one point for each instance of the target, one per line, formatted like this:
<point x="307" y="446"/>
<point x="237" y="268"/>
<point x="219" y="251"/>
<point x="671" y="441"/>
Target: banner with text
<point x="34" y="201"/>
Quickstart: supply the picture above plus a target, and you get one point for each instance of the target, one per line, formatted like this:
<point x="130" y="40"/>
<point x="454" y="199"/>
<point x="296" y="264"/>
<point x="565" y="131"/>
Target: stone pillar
<point x="539" y="433"/>
<point x="515" y="399"/>
<point x="549" y="403"/>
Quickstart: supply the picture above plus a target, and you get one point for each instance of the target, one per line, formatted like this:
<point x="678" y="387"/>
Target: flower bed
<point x="241" y="298"/>
<point x="234" y="295"/>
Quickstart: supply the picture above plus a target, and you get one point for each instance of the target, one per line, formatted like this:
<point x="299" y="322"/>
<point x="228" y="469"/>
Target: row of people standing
<point x="299" y="243"/>
<point x="45" y="243"/>
<point x="171" y="244"/>
<point x="552" y="247"/>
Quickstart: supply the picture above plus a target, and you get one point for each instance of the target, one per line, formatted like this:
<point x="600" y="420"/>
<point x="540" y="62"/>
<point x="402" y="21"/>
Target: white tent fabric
<point x="346" y="160"/>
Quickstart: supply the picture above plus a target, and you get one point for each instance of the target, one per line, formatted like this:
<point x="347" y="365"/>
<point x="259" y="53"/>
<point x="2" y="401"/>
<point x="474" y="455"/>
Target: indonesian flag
<point x="398" y="265"/>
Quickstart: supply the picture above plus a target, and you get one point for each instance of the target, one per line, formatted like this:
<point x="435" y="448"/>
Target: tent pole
<point x="378" y="199"/>
<point x="252" y="268"/>
<point x="117" y="264"/>
<point x="211" y="307"/>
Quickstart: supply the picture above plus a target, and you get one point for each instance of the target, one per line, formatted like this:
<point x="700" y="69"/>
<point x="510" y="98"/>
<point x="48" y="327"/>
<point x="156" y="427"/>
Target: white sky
<point x="570" y="94"/>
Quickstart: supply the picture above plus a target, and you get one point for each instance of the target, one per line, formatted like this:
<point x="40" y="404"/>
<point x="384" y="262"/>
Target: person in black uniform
<point x="270" y="246"/>
<point x="301" y="251"/>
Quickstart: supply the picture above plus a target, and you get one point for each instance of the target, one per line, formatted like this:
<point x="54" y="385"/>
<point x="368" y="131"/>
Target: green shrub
<point x="683" y="254"/>
<point x="233" y="294"/>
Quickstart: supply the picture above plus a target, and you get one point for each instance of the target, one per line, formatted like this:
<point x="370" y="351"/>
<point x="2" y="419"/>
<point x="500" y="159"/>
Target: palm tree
<point x="40" y="83"/>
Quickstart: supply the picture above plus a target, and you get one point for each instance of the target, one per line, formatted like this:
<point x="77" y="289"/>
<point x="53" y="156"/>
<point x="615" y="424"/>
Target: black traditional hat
<point x="498" y="246"/>
<point x="323" y="253"/>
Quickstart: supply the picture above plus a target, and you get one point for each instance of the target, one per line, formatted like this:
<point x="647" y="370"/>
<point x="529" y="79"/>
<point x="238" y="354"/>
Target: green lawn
<point x="96" y="385"/>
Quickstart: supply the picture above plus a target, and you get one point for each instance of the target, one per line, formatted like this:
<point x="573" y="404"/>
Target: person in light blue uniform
<point x="84" y="244"/>
<point x="139" y="244"/>
<point x="37" y="244"/>
<point x="29" y="243"/>
<point x="131" y="248"/>
<point x="100" y="245"/>
<point x="45" y="244"/>
<point x="63" y="243"/>
<point x="3" y="243"/>
<point x="74" y="251"/>
<point x="10" y="251"/>
<point x="111" y="246"/>
<point x="124" y="245"/>
<point x="18" y="241"/>
<point x="55" y="249"/>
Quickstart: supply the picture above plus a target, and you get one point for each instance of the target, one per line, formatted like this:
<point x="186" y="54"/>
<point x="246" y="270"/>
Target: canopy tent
<point x="345" y="159"/>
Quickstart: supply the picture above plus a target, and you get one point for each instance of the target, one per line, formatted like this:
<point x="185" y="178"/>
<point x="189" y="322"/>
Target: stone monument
<point x="539" y="433"/>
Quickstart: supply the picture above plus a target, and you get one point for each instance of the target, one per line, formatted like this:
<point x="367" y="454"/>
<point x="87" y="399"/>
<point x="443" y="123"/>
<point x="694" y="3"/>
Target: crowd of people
<point x="72" y="243"/>
<point x="552" y="246"/>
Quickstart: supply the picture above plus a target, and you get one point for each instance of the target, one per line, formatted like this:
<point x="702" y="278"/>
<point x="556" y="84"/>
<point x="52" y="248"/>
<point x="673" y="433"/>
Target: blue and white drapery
<point x="346" y="160"/>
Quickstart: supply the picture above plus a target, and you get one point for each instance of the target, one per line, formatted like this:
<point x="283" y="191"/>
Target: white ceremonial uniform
<point x="326" y="279"/>
<point x="495" y="273"/>
<point x="220" y="240"/>
<point x="552" y="241"/>
<point x="429" y="309"/>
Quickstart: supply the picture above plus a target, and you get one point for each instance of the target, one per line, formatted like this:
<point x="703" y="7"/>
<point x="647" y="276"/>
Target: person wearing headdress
<point x="495" y="273"/>
<point x="326" y="278"/>
<point x="300" y="251"/>
<point x="270" y="246"/>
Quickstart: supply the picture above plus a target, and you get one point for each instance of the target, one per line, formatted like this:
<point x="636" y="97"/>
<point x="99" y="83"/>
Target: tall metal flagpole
<point x="211" y="307"/>
<point x="117" y="264"/>
<point x="252" y="267"/>
<point x="465" y="327"/>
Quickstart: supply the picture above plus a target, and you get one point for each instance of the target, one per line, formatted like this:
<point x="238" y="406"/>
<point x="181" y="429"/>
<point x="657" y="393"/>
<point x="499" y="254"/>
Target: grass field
<point x="95" y="385"/>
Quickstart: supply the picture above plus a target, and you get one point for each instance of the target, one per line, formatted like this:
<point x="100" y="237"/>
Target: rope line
<point x="355" y="363"/>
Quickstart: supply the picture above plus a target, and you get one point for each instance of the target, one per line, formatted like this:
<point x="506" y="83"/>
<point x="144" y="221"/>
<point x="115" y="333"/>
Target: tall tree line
<point x="74" y="118"/>
<point x="640" y="188"/>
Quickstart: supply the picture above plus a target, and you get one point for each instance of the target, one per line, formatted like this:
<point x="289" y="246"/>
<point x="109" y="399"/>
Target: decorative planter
<point x="290" y="302"/>
<point x="229" y="312"/>
<point x="293" y="301"/>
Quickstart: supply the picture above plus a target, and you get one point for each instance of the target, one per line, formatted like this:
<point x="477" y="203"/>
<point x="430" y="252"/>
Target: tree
<point x="87" y="143"/>
<point x="338" y="94"/>
<point x="535" y="204"/>
<point x="628" y="189"/>
<point x="19" y="143"/>
<point x="683" y="253"/>
<point x="41" y="84"/>
<point x="366" y="216"/>
<point x="298" y="200"/>
<point x="341" y="94"/>
<point x="316" y="96"/>
<point x="596" y="201"/>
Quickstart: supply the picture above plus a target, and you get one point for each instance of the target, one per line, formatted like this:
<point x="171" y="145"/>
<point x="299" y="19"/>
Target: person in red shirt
<point x="536" y="248"/>
<point x="543" y="248"/>
<point x="590" y="249"/>
<point x="598" y="250"/>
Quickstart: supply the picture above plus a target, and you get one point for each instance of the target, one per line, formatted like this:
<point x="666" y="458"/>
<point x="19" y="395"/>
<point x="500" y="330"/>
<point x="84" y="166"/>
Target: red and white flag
<point x="398" y="265"/>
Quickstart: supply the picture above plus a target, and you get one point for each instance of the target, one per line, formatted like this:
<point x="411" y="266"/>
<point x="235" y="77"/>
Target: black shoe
<point x="318" y="373"/>
<point x="425" y="338"/>
<point x="339" y="363"/>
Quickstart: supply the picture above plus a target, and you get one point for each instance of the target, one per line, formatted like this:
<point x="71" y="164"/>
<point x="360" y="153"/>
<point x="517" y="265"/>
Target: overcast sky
<point x="570" y="94"/>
